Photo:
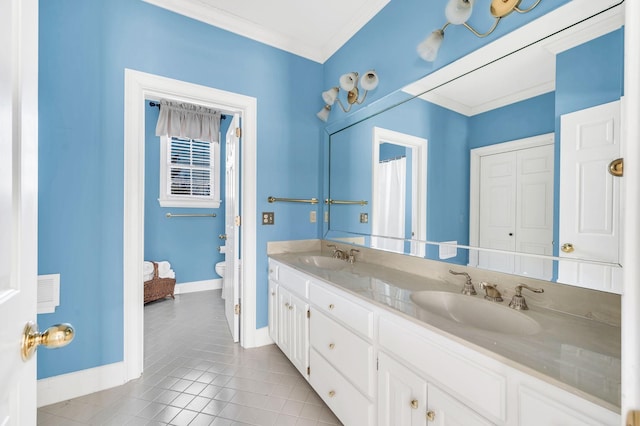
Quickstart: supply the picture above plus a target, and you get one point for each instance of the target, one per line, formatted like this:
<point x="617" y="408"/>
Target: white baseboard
<point x="79" y="383"/>
<point x="262" y="338"/>
<point x="194" y="286"/>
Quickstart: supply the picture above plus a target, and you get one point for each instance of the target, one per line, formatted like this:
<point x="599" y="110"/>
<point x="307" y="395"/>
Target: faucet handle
<point x="352" y="256"/>
<point x="491" y="292"/>
<point x="468" y="286"/>
<point x="518" y="302"/>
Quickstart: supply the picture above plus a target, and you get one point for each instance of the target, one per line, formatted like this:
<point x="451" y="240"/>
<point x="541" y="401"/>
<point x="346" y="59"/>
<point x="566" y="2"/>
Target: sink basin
<point x="324" y="262"/>
<point x="475" y="312"/>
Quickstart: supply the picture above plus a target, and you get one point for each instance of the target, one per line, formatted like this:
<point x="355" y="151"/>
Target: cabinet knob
<point x="332" y="394"/>
<point x="431" y="415"/>
<point x="331" y="306"/>
<point x="332" y="345"/>
<point x="290" y="307"/>
<point x="414" y="404"/>
<point x="286" y="304"/>
<point x="273" y="293"/>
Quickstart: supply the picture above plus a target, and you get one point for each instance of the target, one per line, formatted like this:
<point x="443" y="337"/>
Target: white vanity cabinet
<point x="289" y="314"/>
<point x="373" y="366"/>
<point x="406" y="398"/>
<point x="342" y="355"/>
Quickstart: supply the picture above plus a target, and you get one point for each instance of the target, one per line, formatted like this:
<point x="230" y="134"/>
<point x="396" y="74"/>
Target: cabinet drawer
<point x="341" y="309"/>
<point x="293" y="280"/>
<point x="347" y="352"/>
<point x="475" y="385"/>
<point x="349" y="405"/>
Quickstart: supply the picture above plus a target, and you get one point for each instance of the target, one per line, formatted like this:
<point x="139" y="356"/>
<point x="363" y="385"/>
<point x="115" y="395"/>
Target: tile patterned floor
<point x="195" y="375"/>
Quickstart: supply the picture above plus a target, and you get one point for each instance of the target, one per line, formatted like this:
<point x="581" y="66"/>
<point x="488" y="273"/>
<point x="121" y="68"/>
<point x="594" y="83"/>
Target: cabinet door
<point x="273" y="311"/>
<point x="284" y="319"/>
<point x="402" y="395"/>
<point x="299" y="326"/>
<point x="444" y="410"/>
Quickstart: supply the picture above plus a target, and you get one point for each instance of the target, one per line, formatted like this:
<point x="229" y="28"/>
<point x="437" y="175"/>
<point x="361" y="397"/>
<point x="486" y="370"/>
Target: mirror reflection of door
<point x="515" y="190"/>
<point x="399" y="191"/>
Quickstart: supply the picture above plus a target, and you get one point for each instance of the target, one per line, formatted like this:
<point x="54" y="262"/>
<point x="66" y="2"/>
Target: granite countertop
<point x="577" y="354"/>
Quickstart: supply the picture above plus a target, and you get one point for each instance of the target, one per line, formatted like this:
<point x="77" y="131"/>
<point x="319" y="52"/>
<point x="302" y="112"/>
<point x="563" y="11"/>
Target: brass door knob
<point x="414" y="404"/>
<point x="431" y="415"/>
<point x="567" y="248"/>
<point x="56" y="336"/>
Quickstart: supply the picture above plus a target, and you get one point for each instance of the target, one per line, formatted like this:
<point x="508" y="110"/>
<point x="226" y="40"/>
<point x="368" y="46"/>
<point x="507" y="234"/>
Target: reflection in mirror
<point x="510" y="101"/>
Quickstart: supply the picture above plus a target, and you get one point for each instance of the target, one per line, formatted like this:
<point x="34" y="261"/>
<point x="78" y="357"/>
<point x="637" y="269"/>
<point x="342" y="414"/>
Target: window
<point x="189" y="173"/>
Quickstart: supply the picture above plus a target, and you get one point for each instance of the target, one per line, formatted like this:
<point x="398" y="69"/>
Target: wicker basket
<point x="158" y="288"/>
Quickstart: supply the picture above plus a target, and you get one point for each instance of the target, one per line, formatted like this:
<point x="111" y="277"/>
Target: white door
<point x="402" y="395"/>
<point x="590" y="196"/>
<point x="18" y="205"/>
<point x="231" y="280"/>
<point x="516" y="210"/>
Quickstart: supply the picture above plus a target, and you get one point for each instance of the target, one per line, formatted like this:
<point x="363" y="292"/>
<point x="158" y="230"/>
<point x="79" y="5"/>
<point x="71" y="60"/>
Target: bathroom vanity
<point x="393" y="343"/>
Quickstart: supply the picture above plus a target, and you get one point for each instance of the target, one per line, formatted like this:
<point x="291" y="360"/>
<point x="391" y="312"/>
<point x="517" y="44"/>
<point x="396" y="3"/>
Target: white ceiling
<point x="313" y="30"/>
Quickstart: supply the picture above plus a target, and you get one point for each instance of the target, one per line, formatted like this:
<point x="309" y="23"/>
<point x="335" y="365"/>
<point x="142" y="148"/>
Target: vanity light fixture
<point x="458" y="12"/>
<point x="348" y="83"/>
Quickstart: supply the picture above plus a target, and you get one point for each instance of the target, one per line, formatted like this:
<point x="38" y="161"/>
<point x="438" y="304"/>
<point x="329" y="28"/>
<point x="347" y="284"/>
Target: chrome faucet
<point x="352" y="256"/>
<point x="337" y="253"/>
<point x="468" y="286"/>
<point x="491" y="292"/>
<point x="518" y="302"/>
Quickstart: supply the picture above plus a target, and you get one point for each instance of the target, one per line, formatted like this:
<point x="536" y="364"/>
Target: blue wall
<point x="84" y="49"/>
<point x="190" y="244"/>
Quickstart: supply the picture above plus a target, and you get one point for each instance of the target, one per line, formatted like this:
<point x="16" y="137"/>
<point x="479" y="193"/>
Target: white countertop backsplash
<point x="578" y="347"/>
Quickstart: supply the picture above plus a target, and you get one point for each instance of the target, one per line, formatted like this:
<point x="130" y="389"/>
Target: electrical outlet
<point x="364" y="217"/>
<point x="312" y="216"/>
<point x="267" y="218"/>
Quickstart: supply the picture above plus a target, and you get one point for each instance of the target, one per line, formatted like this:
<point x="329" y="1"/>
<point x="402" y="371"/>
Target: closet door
<point x="498" y="210"/>
<point x="516" y="210"/>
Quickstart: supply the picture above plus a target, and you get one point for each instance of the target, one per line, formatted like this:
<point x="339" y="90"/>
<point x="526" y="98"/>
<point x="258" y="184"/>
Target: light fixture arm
<point x="478" y="34"/>
<point x="526" y="10"/>
<point x="342" y="106"/>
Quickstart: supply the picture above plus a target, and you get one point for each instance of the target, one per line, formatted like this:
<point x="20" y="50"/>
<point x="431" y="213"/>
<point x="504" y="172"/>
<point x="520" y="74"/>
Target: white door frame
<point x="474" y="184"/>
<point x="138" y="87"/>
<point x="418" y="169"/>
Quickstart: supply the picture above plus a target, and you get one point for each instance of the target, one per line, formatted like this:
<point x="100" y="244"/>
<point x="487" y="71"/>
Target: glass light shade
<point x="330" y="96"/>
<point x="348" y="81"/>
<point x="324" y="113"/>
<point x="428" y="49"/>
<point x="458" y="11"/>
<point x="369" y="80"/>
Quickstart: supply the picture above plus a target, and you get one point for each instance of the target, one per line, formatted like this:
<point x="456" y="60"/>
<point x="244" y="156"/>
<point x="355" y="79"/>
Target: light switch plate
<point x="268" y="218"/>
<point x="364" y="217"/>
<point x="312" y="216"/>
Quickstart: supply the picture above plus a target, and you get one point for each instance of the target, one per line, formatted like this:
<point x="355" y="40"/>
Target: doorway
<point x="140" y="86"/>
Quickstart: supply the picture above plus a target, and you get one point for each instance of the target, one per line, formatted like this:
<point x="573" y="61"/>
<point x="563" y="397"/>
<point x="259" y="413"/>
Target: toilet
<point x="220" y="266"/>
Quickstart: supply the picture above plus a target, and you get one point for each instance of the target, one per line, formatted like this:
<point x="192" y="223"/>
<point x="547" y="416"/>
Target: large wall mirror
<point x="511" y="157"/>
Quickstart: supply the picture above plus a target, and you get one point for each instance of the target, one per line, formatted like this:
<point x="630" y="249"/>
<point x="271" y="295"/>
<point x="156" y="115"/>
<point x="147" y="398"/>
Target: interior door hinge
<point x="238" y="221"/>
<point x="377" y="362"/>
<point x="308" y="371"/>
<point x="236" y="309"/>
<point x="308" y="313"/>
<point x="238" y="132"/>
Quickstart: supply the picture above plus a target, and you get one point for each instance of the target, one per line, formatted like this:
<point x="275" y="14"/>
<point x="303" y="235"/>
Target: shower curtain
<point x="389" y="209"/>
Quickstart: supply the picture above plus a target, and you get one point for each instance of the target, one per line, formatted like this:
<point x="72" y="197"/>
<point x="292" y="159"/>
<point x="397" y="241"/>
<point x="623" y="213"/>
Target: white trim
<point x="72" y="385"/>
<point x="262" y="337"/>
<point x="474" y="177"/>
<point x="318" y="52"/>
<point x="138" y="87"/>
<point x="195" y="286"/>
<point x="419" y="191"/>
